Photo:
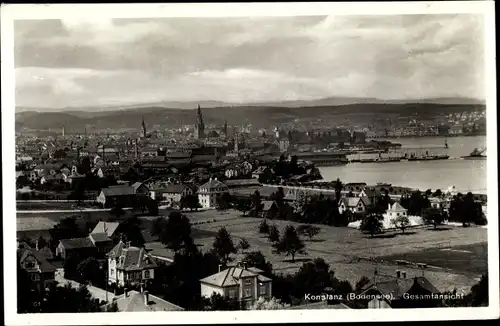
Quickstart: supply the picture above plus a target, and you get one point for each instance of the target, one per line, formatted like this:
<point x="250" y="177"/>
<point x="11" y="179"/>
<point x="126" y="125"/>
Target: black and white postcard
<point x="216" y="163"/>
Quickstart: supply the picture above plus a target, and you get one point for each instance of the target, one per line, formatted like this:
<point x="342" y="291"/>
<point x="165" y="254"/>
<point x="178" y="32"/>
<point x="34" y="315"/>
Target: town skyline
<point x="247" y="60"/>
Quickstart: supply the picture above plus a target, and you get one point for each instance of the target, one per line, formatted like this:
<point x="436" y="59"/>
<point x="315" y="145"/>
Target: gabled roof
<point x="351" y="201"/>
<point x="77" y="243"/>
<point x="106" y="227"/>
<point x="135" y="302"/>
<point x="44" y="265"/>
<point x="211" y="185"/>
<point x="131" y="258"/>
<point x="99" y="237"/>
<point x="231" y="277"/>
<point x="136" y="186"/>
<point x="174" y="189"/>
<point x="398" y="286"/>
<point x="396" y="207"/>
<point x="267" y="205"/>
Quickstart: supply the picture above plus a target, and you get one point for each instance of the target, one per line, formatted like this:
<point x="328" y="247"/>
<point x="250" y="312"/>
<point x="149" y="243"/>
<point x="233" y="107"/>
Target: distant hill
<point x="330" y="101"/>
<point x="259" y="116"/>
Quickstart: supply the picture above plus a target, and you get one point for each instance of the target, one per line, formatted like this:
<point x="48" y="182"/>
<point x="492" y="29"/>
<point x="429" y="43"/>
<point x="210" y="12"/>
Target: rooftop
<point x="135" y="301"/>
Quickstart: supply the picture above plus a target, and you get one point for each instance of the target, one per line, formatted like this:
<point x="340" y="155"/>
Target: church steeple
<point x="200" y="125"/>
<point x="143" y="128"/>
<point x="225" y="128"/>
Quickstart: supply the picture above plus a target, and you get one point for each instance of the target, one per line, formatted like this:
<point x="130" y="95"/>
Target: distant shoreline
<point x="427" y="136"/>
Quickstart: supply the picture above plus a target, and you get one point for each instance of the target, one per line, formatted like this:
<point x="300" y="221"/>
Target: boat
<point x="428" y="157"/>
<point x="476" y="154"/>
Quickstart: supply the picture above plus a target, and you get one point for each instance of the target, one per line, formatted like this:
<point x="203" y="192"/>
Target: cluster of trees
<point x="290" y="243"/>
<point x="56" y="299"/>
<point x="464" y="209"/>
<point x="190" y="202"/>
<point x="283" y="169"/>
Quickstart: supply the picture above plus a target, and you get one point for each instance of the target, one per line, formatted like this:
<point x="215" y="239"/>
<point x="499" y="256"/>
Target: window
<point x="248" y="282"/>
<point x="146" y="274"/>
<point x="397" y="214"/>
<point x="248" y="293"/>
<point x="232" y="294"/>
<point x="262" y="289"/>
<point x="35" y="277"/>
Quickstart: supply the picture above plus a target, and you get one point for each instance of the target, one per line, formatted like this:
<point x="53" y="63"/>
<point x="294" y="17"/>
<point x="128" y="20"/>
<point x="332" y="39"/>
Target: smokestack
<point x="146" y="298"/>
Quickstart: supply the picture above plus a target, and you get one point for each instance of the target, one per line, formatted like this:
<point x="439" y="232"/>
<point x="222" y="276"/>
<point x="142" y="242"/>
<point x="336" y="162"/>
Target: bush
<point x="481" y="221"/>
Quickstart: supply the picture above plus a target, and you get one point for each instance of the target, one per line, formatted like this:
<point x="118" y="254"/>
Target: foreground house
<point x="76" y="246"/>
<point x="41" y="272"/>
<point x="133" y="301"/>
<point x="130" y="266"/>
<point x="208" y="192"/>
<point x="245" y="285"/>
<point x="394" y="292"/>
<point x="354" y="204"/>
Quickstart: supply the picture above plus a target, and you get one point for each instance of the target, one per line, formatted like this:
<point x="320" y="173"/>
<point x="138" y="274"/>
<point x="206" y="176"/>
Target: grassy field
<point x="469" y="258"/>
<point x="340" y="247"/>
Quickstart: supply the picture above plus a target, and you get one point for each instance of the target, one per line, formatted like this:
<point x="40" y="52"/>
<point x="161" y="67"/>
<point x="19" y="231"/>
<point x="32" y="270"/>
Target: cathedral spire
<point x="200" y="125"/>
<point x="143" y="128"/>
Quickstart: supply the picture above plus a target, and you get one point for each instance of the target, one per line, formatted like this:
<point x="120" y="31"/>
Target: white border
<point x="12" y="12"/>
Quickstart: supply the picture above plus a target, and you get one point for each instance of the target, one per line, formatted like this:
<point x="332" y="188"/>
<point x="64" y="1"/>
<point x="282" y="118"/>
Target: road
<point x="94" y="291"/>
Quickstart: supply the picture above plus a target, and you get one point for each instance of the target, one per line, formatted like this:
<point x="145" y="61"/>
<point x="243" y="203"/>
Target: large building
<point x="208" y="193"/>
<point x="245" y="285"/>
<point x="130" y="265"/>
<point x="199" y="132"/>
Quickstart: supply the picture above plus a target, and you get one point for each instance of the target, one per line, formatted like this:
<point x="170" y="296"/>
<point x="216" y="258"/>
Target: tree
<point x="438" y="193"/>
<point x="478" y="296"/>
<point x="308" y="230"/>
<point x="338" y="186"/>
<point x="90" y="270"/>
<point x="371" y="224"/>
<point x="176" y="230"/>
<point x="433" y="216"/>
<point x="274" y="234"/>
<point x="243" y="205"/>
<point x="65" y="229"/>
<point x="131" y="231"/>
<point x="190" y="202"/>
<point x="256" y="203"/>
<point x="152" y="206"/>
<point x="158" y="226"/>
<point x="313" y="277"/>
<point x="401" y="222"/>
<point x="243" y="244"/>
<point x="41" y="242"/>
<point x="66" y="299"/>
<point x="290" y="244"/>
<point x="223" y="245"/>
<point x="271" y="304"/>
<point x="223" y="201"/>
<point x="428" y="192"/>
<point x="361" y="283"/>
<point x="256" y="259"/>
<point x="218" y="302"/>
<point x="264" y="227"/>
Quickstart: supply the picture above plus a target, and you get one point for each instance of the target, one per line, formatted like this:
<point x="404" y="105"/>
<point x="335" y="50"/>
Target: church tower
<point x="199" y="132"/>
<point x="143" y="129"/>
<point x="225" y="129"/>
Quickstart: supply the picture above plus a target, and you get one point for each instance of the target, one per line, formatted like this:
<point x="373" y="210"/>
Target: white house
<point x="208" y="192"/>
<point x="395" y="210"/>
<point x="174" y="192"/>
<point x="130" y="265"/>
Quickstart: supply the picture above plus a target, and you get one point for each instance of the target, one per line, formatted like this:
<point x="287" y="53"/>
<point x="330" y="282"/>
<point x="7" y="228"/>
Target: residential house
<point x="134" y="301"/>
<point x="40" y="271"/>
<point x="394" y="292"/>
<point x="122" y="194"/>
<point x="232" y="171"/>
<point x="245" y="285"/>
<point x="130" y="266"/>
<point x="262" y="173"/>
<point x="208" y="192"/>
<point x="174" y="192"/>
<point x="354" y="204"/>
<point x="395" y="210"/>
<point x="140" y="189"/>
<point x="372" y="194"/>
<point x="438" y="203"/>
<point x="270" y="209"/>
<point x="80" y="246"/>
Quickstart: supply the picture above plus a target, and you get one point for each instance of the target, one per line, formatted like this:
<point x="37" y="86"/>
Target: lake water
<point x="465" y="175"/>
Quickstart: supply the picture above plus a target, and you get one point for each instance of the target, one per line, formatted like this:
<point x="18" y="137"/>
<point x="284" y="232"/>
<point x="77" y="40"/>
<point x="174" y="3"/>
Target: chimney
<point x="125" y="290"/>
<point x="220" y="266"/>
<point x="146" y="298"/>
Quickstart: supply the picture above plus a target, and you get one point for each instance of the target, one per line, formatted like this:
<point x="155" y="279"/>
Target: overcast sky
<point x="114" y="62"/>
